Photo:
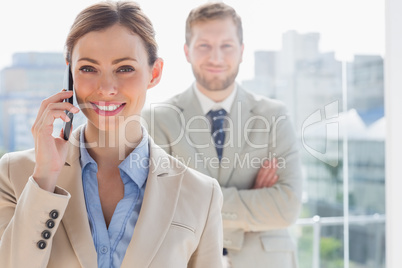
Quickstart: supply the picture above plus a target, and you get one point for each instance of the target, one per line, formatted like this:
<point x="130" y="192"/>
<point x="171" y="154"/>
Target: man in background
<point x="243" y="140"/>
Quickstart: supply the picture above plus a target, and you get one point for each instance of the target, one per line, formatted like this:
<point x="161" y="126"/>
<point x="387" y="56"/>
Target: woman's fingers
<point x="61" y="135"/>
<point x="56" y="98"/>
<point x="53" y="111"/>
<point x="45" y="126"/>
<point x="51" y="115"/>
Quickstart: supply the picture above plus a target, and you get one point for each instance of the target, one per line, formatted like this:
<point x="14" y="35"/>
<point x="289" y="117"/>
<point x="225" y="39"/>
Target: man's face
<point x="214" y="53"/>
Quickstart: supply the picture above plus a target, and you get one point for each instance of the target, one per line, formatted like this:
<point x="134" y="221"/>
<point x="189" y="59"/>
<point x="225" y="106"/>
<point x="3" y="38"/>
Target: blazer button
<point x="50" y="224"/>
<point x="54" y="214"/>
<point x="41" y="244"/>
<point x="46" y="234"/>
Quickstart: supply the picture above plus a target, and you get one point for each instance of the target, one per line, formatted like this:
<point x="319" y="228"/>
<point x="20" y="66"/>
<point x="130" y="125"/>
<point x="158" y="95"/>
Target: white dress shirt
<point x="207" y="104"/>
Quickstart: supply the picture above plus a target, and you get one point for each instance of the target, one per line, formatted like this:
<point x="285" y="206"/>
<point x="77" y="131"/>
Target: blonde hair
<point x="212" y="11"/>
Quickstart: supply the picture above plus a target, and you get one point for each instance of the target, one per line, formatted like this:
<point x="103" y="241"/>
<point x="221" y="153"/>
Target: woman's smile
<point x="112" y="82"/>
<point x="107" y="108"/>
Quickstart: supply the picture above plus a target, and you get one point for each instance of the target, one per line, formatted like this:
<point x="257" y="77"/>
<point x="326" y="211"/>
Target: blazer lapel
<point x="158" y="207"/>
<point x="235" y="136"/>
<point x="75" y="220"/>
<point x="198" y="131"/>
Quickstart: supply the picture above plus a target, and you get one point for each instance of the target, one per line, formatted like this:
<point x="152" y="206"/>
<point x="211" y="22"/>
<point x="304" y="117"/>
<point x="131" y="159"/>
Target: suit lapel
<point x="240" y="113"/>
<point x="198" y="131"/>
<point x="158" y="208"/>
<point x="75" y="220"/>
<point x="235" y="136"/>
<point x="159" y="204"/>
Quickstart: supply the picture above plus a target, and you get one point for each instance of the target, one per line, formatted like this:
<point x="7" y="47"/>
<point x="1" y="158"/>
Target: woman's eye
<point x="125" y="69"/>
<point x="87" y="69"/>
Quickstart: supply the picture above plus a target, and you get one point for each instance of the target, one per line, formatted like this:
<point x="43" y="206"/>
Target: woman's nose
<point x="107" y="85"/>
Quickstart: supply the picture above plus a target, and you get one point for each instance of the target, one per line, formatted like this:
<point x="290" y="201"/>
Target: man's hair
<point x="212" y="11"/>
<point x="103" y="15"/>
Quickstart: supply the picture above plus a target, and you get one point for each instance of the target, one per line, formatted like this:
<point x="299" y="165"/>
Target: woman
<point x="108" y="197"/>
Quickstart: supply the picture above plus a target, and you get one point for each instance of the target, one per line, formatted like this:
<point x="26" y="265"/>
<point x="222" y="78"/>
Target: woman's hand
<point x="50" y="152"/>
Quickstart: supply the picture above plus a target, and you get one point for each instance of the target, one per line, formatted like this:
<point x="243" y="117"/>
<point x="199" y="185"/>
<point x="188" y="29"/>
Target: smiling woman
<point x="111" y="85"/>
<point x="119" y="207"/>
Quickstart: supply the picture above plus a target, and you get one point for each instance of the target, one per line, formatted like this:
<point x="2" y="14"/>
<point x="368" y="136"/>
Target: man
<point x="249" y="146"/>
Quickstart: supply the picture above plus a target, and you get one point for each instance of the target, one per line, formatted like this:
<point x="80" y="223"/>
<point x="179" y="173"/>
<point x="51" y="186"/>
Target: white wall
<point x="393" y="112"/>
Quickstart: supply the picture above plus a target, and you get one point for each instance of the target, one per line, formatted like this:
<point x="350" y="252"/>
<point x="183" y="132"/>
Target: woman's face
<point x="111" y="76"/>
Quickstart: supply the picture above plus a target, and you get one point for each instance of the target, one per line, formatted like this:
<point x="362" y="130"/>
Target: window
<point x="324" y="59"/>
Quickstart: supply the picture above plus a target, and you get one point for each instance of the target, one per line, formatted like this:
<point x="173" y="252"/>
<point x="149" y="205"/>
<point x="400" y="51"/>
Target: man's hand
<point x="267" y="176"/>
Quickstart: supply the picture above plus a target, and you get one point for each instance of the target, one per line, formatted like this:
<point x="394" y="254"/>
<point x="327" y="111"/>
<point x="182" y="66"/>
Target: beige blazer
<point x="179" y="224"/>
<point x="255" y="222"/>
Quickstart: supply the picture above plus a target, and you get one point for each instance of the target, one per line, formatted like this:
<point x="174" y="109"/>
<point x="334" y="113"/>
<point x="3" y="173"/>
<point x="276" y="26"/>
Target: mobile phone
<point x="68" y="85"/>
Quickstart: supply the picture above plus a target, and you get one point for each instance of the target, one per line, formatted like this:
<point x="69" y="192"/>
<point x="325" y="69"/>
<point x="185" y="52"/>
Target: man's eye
<point x="125" y="69"/>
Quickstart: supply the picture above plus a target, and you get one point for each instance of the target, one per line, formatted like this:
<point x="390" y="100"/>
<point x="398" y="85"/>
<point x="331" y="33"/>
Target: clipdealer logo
<point x="200" y="160"/>
<point x="238" y="130"/>
<point x="329" y="118"/>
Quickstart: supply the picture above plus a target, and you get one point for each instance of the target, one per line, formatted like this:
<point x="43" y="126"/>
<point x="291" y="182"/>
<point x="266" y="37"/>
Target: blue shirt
<point x="111" y="243"/>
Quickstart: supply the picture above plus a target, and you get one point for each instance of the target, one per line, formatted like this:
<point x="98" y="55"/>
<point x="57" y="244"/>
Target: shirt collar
<point x="85" y="158"/>
<point x="135" y="165"/>
<point x="207" y="104"/>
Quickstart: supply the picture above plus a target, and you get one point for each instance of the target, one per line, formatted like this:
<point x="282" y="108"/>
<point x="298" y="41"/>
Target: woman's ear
<point x="156" y="73"/>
